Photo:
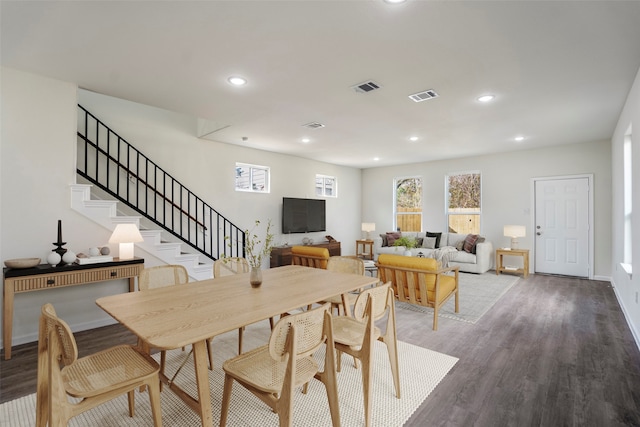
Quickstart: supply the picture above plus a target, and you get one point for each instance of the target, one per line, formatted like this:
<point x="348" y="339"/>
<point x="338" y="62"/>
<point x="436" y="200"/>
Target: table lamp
<point x="368" y="227"/>
<point x="515" y="231"/>
<point x="126" y="235"/>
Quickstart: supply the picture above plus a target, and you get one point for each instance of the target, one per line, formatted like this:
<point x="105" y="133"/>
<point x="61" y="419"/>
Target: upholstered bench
<point x="419" y="281"/>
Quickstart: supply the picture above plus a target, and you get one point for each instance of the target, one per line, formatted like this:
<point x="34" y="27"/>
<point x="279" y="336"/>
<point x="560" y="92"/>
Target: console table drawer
<point x="26" y="284"/>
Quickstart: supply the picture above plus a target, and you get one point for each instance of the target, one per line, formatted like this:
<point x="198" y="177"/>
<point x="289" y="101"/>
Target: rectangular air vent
<point x="424" y="95"/>
<point x="313" y="125"/>
<point x="366" y="86"/>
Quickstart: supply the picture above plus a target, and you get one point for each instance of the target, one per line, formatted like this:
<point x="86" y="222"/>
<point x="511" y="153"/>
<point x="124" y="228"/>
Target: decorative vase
<point x="407" y="253"/>
<point x="54" y="259"/>
<point x="255" y="277"/>
<point x="69" y="257"/>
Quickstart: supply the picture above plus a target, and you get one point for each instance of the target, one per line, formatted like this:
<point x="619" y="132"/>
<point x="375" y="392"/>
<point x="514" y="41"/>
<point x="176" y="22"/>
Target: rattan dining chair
<point x="227" y="267"/>
<point x="356" y="336"/>
<point x="344" y="264"/>
<point x="273" y="372"/>
<point x="95" y="379"/>
<point x="162" y="276"/>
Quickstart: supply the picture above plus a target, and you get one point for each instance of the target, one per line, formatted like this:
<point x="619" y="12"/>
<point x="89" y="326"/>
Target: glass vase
<point x="255" y="277"/>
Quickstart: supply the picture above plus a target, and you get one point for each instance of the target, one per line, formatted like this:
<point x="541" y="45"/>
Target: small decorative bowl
<point x="22" y="262"/>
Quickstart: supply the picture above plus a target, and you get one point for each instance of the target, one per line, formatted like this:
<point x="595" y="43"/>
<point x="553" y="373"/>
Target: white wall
<point x="627" y="288"/>
<point x="37" y="166"/>
<point x="38" y="163"/>
<point x="506" y="191"/>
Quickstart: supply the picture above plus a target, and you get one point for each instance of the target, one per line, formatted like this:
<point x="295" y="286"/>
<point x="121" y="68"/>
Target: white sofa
<point x="480" y="262"/>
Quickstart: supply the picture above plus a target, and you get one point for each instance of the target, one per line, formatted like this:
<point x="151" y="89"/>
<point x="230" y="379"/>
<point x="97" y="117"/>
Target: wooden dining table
<point x="177" y="316"/>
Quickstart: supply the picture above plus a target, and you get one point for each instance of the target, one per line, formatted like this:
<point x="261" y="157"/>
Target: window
<point x="408" y="210"/>
<point x="628" y="202"/>
<point x="463" y="192"/>
<point x="326" y="186"/>
<point x="252" y="178"/>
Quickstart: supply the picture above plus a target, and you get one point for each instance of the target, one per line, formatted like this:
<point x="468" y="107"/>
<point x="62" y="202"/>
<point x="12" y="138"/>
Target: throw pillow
<point x="480" y="240"/>
<point x="470" y="242"/>
<point x="429" y="243"/>
<point x="392" y="237"/>
<point x="460" y="245"/>
<point x="384" y="240"/>
<point x="419" y="241"/>
<point x="437" y="236"/>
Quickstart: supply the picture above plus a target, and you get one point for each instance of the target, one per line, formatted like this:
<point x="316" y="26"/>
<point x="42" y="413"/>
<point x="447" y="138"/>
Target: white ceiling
<point x="560" y="70"/>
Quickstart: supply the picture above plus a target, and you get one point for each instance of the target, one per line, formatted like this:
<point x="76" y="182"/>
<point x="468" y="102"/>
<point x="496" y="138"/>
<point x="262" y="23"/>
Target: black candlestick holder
<point x="59" y="244"/>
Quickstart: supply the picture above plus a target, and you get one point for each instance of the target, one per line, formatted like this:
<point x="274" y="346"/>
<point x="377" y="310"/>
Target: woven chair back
<point x="310" y="332"/>
<point x="381" y="298"/>
<point x="68" y="349"/>
<point x="162" y="276"/>
<point x="230" y="266"/>
<point x="344" y="264"/>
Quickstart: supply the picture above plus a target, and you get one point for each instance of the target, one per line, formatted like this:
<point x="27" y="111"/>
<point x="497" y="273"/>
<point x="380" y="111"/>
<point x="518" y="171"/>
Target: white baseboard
<point x="634" y="332"/>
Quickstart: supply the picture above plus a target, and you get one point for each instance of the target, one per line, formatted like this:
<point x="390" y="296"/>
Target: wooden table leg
<point x="7" y="318"/>
<point x="201" y="362"/>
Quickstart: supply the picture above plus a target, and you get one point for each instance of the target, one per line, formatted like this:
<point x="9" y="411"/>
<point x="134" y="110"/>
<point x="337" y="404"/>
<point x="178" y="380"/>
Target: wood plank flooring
<point x="554" y="351"/>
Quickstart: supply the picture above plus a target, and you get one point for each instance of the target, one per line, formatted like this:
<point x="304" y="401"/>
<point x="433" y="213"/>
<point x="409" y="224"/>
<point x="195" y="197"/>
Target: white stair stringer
<point x="104" y="212"/>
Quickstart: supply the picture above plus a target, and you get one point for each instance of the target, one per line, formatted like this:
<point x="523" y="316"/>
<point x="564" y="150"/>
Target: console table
<point x="281" y="255"/>
<point x="44" y="276"/>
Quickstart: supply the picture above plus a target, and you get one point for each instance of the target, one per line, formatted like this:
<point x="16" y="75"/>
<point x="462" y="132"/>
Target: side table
<point x="364" y="249"/>
<point x="500" y="267"/>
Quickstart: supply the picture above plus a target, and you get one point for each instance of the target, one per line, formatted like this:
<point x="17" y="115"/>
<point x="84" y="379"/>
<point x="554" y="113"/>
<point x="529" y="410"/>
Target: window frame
<point x="323" y="186"/>
<point x="252" y="169"/>
<point x="395" y="202"/>
<point x="447" y="194"/>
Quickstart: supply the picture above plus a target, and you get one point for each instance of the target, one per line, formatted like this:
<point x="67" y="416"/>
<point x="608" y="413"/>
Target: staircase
<point x="125" y="186"/>
<point x="105" y="213"/>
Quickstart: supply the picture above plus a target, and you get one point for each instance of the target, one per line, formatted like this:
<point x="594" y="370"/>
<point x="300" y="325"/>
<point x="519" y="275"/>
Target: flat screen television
<point x="303" y="215"/>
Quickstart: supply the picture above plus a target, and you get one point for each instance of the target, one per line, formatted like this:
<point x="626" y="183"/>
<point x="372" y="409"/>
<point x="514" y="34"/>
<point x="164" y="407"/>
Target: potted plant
<point x="407" y="242"/>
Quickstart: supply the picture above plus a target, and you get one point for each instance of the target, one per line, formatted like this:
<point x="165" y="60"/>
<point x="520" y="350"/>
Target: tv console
<point x="281" y="255"/>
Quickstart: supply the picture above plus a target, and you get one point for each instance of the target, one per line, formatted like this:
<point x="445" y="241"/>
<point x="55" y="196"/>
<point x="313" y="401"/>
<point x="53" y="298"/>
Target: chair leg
<point x="271" y="323"/>
<point x="392" y="351"/>
<point x="131" y="398"/>
<point x="367" y="372"/>
<point x="154" y="400"/>
<point x="226" y="400"/>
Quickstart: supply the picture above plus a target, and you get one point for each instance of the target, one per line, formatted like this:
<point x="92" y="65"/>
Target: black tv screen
<point x="303" y="215"/>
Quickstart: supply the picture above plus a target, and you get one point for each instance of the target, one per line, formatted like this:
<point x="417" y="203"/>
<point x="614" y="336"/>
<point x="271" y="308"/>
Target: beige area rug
<point x="478" y="293"/>
<point x="420" y="372"/>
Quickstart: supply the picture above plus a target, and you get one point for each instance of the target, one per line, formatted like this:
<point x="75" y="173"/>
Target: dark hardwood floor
<point x="554" y="351"/>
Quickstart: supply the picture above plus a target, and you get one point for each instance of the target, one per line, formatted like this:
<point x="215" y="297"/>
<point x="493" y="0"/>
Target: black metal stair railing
<point x="111" y="163"/>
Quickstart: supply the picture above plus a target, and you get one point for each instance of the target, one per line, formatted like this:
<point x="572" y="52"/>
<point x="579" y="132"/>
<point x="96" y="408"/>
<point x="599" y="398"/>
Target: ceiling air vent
<point x="314" y="125"/>
<point x="424" y="95"/>
<point x="366" y="87"/>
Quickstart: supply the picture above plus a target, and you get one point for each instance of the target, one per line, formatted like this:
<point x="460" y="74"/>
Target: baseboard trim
<point x="635" y="333"/>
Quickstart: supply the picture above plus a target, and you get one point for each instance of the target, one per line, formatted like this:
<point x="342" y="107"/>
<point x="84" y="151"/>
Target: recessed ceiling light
<point x="237" y="81"/>
<point x="519" y="138"/>
<point x="394" y="1"/>
<point x="413" y="138"/>
<point x="486" y="98"/>
<point x="375" y="159"/>
<point x="306" y="140"/>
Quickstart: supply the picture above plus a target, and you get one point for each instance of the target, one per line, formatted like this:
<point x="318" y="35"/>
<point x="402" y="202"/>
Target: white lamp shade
<point x="368" y="226"/>
<point x="126" y="235"/>
<point x="515" y="231"/>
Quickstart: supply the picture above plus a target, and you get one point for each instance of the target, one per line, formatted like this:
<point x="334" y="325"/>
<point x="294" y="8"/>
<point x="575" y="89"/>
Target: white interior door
<point x="562" y="226"/>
